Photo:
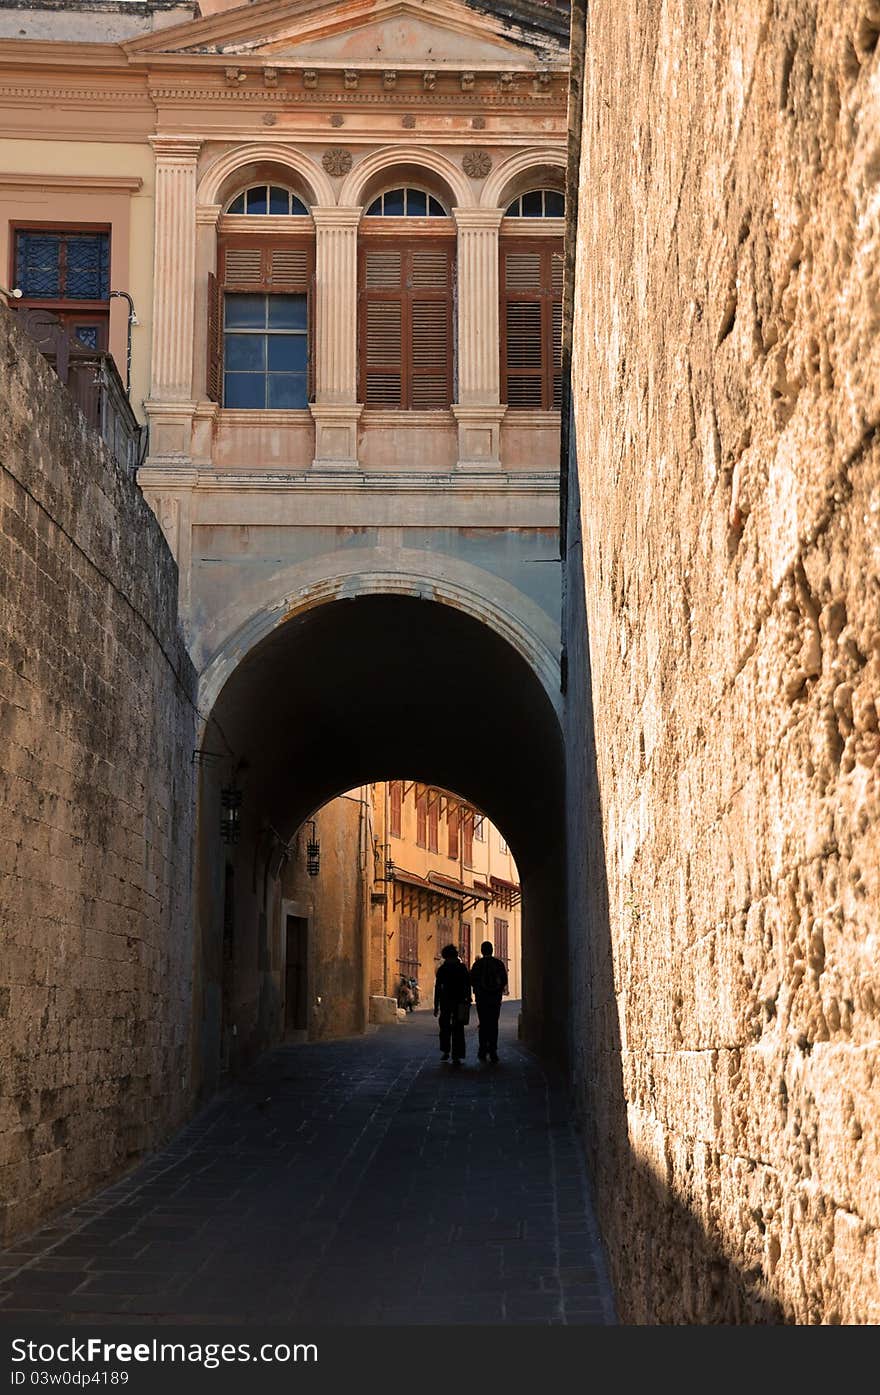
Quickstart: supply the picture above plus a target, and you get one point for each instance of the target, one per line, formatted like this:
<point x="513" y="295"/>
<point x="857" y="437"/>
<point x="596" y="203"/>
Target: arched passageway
<point x="347" y="692"/>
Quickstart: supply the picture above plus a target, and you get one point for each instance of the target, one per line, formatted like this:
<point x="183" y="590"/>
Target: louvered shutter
<point x="263" y="264"/>
<point x="406" y="326"/>
<point x="531" y="324"/>
<point x="382" y="298"/>
<point x="430" y="357"/>
<point x="214" y="376"/>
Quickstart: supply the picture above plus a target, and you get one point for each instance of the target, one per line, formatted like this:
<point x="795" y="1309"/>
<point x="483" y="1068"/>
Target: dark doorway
<point x="296" y="1017"/>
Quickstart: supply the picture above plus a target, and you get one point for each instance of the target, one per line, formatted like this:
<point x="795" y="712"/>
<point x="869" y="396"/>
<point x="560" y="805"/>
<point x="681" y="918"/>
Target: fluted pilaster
<point x="336" y="308"/>
<point x="479" y="375"/>
<point x="175" y="268"/>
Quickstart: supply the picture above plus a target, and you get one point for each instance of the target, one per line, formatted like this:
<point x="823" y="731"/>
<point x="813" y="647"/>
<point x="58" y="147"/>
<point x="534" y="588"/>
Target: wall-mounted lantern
<point x="230" y="819"/>
<point x="313" y="852"/>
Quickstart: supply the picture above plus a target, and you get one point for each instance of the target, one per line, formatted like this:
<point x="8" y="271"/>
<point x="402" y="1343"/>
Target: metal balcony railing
<point x="93" y="381"/>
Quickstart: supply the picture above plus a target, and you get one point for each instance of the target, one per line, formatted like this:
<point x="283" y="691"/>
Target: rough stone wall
<point x="727" y="396"/>
<point x="96" y="741"/>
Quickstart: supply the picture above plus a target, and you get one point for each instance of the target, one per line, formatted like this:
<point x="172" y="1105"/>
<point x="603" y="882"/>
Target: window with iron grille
<point x="501" y="928"/>
<point x="466" y="942"/>
<point x="259" y="323"/>
<point x="406" y="341"/>
<point x="531" y="323"/>
<point x="67" y="271"/>
<point x="408" y="946"/>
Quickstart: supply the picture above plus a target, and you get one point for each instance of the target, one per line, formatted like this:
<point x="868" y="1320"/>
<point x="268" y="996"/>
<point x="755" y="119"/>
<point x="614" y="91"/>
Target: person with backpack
<point x="489" y="981"/>
<point x="452" y="1003"/>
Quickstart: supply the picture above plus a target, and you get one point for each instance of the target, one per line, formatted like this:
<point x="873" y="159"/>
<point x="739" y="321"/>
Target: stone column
<point x="170" y="405"/>
<point x="478" y="411"/>
<point x="335" y="409"/>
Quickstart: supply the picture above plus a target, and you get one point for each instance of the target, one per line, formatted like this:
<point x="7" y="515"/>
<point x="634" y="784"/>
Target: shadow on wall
<point x="666" y="1265"/>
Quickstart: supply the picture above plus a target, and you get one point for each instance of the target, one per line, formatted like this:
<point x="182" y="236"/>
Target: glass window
<point x="268" y="198"/>
<point x="265" y="351"/>
<point x="406" y="203"/>
<point x="62" y="265"/>
<point x="538" y="203"/>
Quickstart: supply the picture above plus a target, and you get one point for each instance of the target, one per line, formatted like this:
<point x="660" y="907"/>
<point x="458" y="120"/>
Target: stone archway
<point x="381" y="682"/>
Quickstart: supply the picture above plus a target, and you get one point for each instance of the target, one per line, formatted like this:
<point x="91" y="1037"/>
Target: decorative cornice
<point x="208" y="214"/>
<point x="121" y="183"/>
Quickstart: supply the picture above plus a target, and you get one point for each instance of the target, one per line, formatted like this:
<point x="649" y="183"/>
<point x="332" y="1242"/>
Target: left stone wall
<point x="97" y="730"/>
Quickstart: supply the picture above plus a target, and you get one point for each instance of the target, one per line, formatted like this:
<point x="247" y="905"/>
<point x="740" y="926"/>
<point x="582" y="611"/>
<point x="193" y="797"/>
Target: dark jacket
<point x="452" y="984"/>
<point x="488" y="976"/>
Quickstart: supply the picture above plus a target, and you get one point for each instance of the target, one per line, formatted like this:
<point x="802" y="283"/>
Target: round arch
<point x="520" y="633"/>
<point x="410" y="159"/>
<point x="382" y="677"/>
<point x="519" y="172"/>
<point x="216" y="177"/>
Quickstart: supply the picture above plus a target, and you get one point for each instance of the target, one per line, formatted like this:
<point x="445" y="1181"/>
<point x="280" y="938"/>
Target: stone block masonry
<point x="97" y="730"/>
<point x="727" y="498"/>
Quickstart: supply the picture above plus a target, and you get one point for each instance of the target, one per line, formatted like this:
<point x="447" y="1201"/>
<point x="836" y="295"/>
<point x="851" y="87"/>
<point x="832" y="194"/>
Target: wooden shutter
<point x="396" y="809"/>
<point x="467" y="837"/>
<point x="430" y="359"/>
<point x="406" y="325"/>
<point x="214" y="378"/>
<point x="452" y="830"/>
<point x="531" y="323"/>
<point x="422" y="818"/>
<point x="268" y="264"/>
<point x="434" y="823"/>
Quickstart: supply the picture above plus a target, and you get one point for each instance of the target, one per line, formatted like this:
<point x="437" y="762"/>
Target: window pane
<point x="435" y="209"/>
<point x="514" y="209"/>
<point x="394" y="204"/>
<point x="237" y="205"/>
<point x="416" y="203"/>
<point x="246" y="311"/>
<point x="287" y="390"/>
<point x="87" y="259"/>
<point x="375" y="208"/>
<point x="287" y="352"/>
<point x="297" y="206"/>
<point x="532" y="204"/>
<point x="256" y="200"/>
<point x="37" y="265"/>
<point x="279" y="200"/>
<point x="287" y="311"/>
<point x="244" y="390"/>
<point x="88" y="335"/>
<point x="554" y="204"/>
<point x="245" y="352"/>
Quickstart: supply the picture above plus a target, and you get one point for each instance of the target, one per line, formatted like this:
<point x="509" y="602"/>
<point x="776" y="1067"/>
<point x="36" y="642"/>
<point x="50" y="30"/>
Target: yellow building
<point x="446" y="876"/>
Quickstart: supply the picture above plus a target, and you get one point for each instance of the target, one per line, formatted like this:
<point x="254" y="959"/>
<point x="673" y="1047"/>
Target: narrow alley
<point x="357" y="1181"/>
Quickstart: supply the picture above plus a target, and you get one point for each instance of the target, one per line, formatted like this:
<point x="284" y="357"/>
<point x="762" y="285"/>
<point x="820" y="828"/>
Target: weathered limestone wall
<point x="96" y="741"/>
<point x="727" y="394"/>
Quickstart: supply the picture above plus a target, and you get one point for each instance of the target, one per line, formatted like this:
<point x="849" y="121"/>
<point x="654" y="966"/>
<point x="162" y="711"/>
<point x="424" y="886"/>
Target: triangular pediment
<point x="401" y="34"/>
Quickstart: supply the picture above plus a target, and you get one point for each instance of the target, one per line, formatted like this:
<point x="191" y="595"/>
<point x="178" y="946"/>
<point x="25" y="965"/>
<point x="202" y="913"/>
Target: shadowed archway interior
<point x="375" y="688"/>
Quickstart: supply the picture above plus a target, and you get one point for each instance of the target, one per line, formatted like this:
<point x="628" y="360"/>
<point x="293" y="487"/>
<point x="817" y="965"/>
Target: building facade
<point x="446" y="876"/>
<point x="322" y="243"/>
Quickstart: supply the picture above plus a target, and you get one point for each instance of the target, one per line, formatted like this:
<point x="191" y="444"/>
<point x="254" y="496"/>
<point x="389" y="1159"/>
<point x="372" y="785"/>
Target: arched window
<point x="268" y="198"/>
<point x="538" y="203"/>
<point x="260" y="330"/>
<point x="406" y="286"/>
<point x="406" y="203"/>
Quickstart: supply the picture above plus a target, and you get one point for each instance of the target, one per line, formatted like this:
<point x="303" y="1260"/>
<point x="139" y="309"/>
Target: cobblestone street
<point x="359" y="1181"/>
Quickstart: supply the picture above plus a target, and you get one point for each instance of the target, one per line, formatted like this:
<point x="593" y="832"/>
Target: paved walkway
<point x="359" y="1181"/>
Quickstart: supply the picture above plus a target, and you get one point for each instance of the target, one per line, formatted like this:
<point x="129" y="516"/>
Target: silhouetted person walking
<point x="452" y="997"/>
<point x="489" y="982"/>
